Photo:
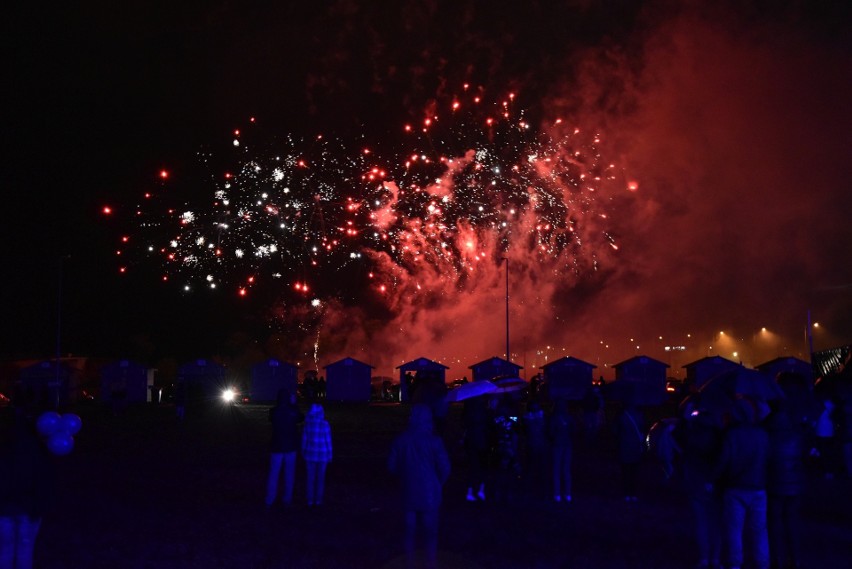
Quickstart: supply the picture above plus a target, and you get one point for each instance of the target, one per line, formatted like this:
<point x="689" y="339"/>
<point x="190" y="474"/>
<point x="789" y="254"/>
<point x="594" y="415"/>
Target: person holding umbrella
<point x="741" y="473"/>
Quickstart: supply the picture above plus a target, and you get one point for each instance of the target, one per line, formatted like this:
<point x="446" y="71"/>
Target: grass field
<point x="141" y="490"/>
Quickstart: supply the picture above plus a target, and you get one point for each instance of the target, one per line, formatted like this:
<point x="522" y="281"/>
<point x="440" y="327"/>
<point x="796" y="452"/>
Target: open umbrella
<point x="468" y="390"/>
<point x="720" y="392"/>
<point x="509" y="384"/>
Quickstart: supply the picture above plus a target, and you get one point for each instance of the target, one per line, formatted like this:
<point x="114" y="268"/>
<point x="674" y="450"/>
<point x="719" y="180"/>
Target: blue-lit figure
<point x="419" y="460"/>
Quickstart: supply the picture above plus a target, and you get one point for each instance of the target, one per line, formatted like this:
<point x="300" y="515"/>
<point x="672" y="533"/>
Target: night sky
<point x="732" y="121"/>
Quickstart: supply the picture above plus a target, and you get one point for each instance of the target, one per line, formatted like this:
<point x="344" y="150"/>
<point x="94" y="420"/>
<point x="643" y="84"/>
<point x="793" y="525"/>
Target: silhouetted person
<point x="699" y="436"/>
<point x="825" y="444"/>
<point x="741" y="474"/>
<point x="431" y="390"/>
<point x="592" y="406"/>
<point x="181" y="396"/>
<point x="476" y="423"/>
<point x="27" y="486"/>
<point x="406" y="387"/>
<point x="285" y="418"/>
<point x="630" y="429"/>
<point x="785" y="483"/>
<point x="505" y="456"/>
<point x="419" y="459"/>
<point x="536" y="450"/>
<point x="316" y="450"/>
<point x="560" y="430"/>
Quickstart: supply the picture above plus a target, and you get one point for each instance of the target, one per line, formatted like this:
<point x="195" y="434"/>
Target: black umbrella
<point x="741" y="382"/>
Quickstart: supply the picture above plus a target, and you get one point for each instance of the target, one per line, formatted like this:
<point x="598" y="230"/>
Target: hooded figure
<point x="419" y="459"/>
<point x="316" y="450"/>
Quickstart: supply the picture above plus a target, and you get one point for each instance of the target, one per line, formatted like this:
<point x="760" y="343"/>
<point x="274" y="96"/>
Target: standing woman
<point x="285" y="418"/>
<point x="316" y="450"/>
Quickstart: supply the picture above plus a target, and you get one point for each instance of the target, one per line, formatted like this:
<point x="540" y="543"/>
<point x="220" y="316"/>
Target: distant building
<point x="420" y="368"/>
<point x="699" y="371"/>
<point x="270" y="376"/>
<point x="423" y="365"/>
<point x="125" y="382"/>
<point x="568" y="378"/>
<point x="789" y="365"/>
<point x="493" y="368"/>
<point x="641" y="379"/>
<point x="348" y="380"/>
<point x="49" y="384"/>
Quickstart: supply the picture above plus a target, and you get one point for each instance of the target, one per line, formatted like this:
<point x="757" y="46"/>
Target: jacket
<point x="285" y="418"/>
<point x="420" y="461"/>
<point x="316" y="436"/>
<point x="786" y="468"/>
<point x="744" y="457"/>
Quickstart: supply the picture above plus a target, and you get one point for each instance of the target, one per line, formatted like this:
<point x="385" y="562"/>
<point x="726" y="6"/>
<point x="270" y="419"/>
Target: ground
<point x="141" y="490"/>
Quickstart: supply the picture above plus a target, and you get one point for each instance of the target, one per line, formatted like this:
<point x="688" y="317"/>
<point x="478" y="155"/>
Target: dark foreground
<point x="142" y="491"/>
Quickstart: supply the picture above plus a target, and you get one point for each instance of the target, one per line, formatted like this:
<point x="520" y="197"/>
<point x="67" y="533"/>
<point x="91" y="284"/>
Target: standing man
<point x="285" y="418"/>
<point x="419" y="459"/>
<point x="742" y="473"/>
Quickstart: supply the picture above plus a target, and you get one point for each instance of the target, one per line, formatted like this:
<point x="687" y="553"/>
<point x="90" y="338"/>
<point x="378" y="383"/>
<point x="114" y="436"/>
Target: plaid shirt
<point x="316" y="440"/>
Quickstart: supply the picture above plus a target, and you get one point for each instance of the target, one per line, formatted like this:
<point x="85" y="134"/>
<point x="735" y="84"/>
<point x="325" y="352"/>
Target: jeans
<point x="744" y="513"/>
<point x="429" y="523"/>
<point x="276" y="461"/>
<point x="316" y="481"/>
<point x="17" y="541"/>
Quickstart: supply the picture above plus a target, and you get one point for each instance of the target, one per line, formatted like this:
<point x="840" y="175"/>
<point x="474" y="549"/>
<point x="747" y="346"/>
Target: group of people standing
<point x="288" y="438"/>
<point x="509" y="450"/>
<point x="744" y="474"/>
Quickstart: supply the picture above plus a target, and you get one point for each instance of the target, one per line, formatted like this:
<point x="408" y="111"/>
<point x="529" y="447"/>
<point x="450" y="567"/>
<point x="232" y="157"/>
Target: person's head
<point x="316" y="411"/>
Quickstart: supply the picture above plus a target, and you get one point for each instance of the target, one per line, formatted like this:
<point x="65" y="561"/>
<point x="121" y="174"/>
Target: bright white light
<point x="228" y="395"/>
